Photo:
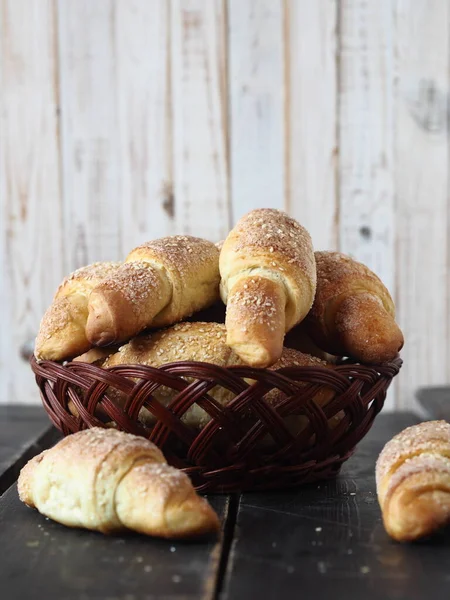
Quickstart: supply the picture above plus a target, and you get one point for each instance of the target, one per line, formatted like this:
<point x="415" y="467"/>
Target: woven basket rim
<point x="224" y="454"/>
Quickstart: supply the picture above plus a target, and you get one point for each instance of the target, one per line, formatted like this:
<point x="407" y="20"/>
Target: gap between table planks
<point x="327" y="540"/>
<point x="43" y="559"/>
<point x="324" y="539"/>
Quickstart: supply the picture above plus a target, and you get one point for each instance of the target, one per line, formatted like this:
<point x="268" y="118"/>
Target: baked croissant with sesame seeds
<point x="353" y="313"/>
<point x="203" y="342"/>
<point x="62" y="333"/>
<point x="413" y="481"/>
<point x="117" y="482"/>
<point x="268" y="282"/>
<point x="160" y="283"/>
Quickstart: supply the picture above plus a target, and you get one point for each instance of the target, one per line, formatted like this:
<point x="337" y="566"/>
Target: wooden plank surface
<point x="366" y="138"/>
<point x="422" y="193"/>
<point x="142" y="41"/>
<point x="42" y="559"/>
<point x="312" y="97"/>
<point x="327" y="540"/>
<point x="24" y="431"/>
<point x="257" y="104"/>
<point x="366" y="134"/>
<point x="89" y="133"/>
<point x="31" y="249"/>
<point x="200" y="118"/>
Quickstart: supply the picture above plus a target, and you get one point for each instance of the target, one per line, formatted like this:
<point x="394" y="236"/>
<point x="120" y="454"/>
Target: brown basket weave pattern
<point x="228" y="453"/>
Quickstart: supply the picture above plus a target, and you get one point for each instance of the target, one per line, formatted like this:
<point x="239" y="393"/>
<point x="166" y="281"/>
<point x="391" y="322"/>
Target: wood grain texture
<point x="89" y="131"/>
<point x="31" y="249"/>
<point x="422" y="192"/>
<point x="257" y="105"/>
<point x="200" y="118"/>
<point x="142" y="63"/>
<point x="366" y="134"/>
<point x="327" y="540"/>
<point x="311" y="162"/>
<point x="366" y="138"/>
<point x="56" y="562"/>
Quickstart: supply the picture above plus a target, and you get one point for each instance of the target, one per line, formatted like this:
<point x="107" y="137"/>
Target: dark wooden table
<point x="321" y="541"/>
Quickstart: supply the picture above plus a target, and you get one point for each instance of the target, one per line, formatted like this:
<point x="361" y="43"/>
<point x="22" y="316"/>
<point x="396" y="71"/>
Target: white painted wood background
<point x="123" y="120"/>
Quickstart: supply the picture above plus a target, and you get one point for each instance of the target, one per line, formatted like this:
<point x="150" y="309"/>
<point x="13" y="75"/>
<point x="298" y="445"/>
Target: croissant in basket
<point x="62" y="332"/>
<point x="353" y="313"/>
<point x="206" y="399"/>
<point x="204" y="342"/>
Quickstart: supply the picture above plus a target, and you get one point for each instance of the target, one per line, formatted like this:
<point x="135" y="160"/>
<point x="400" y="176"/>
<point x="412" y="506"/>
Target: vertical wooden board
<point x="257" y="105"/>
<point x="144" y="120"/>
<point x="200" y="116"/>
<point x="366" y="125"/>
<point x="422" y="192"/>
<point x="31" y="250"/>
<point x="311" y="72"/>
<point x="366" y="118"/>
<point x="90" y="141"/>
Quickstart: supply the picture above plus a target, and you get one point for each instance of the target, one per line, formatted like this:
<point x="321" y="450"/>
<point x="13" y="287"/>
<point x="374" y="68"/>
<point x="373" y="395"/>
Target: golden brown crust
<point x="86" y="278"/>
<point x="192" y="266"/>
<point x="353" y="313"/>
<point x="98" y="491"/>
<point x="203" y="342"/>
<point x="255" y="320"/>
<point x="62" y="332"/>
<point x="162" y="282"/>
<point x="125" y="304"/>
<point x="267" y="243"/>
<point x="413" y="481"/>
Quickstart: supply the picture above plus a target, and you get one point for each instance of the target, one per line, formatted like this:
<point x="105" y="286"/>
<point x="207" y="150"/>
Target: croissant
<point x="413" y="481"/>
<point x="160" y="283"/>
<point x="204" y="342"/>
<point x="62" y="333"/>
<point x="353" y="313"/>
<point x="268" y="281"/>
<point x="118" y="481"/>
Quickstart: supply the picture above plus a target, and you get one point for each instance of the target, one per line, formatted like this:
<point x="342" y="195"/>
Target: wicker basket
<point x="231" y="452"/>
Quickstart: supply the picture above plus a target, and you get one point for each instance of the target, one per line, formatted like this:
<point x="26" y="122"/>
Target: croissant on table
<point x="413" y="481"/>
<point x="117" y="482"/>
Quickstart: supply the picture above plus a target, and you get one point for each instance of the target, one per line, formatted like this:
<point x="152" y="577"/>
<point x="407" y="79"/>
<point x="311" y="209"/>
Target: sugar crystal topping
<point x="274" y="231"/>
<point x="424" y="437"/>
<point x="183" y="253"/>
